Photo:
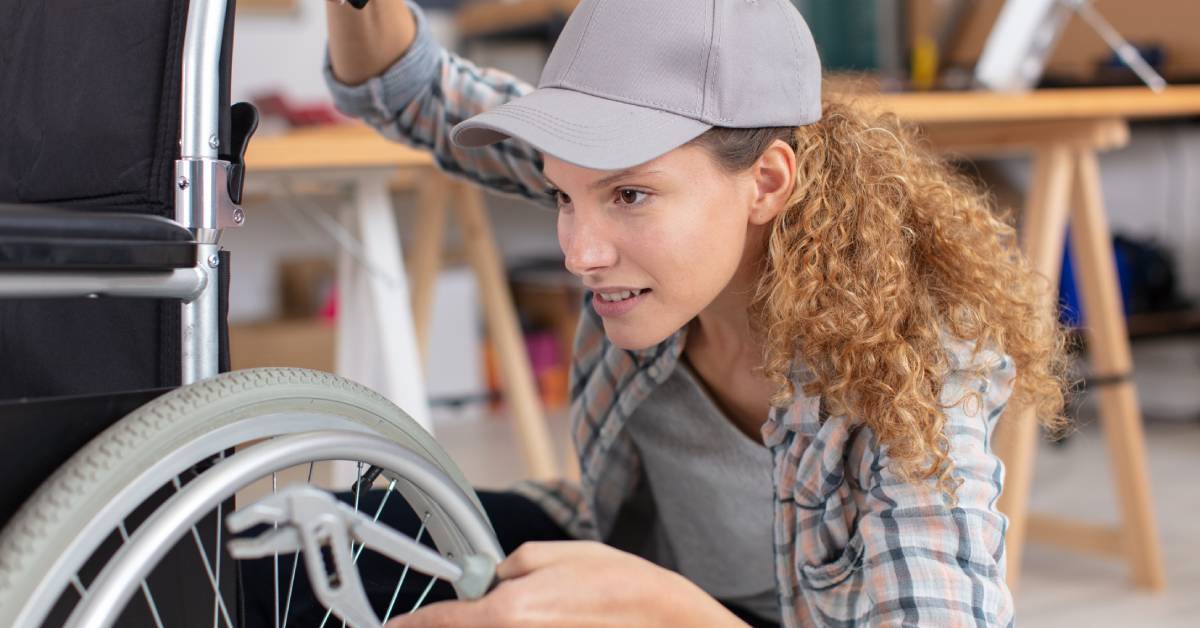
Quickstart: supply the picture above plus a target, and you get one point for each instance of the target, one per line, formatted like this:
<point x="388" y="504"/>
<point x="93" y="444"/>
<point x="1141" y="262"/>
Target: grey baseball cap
<point x="630" y="80"/>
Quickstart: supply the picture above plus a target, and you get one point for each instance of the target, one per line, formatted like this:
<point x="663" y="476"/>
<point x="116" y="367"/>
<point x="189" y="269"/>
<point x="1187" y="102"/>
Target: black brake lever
<point x="243" y="118"/>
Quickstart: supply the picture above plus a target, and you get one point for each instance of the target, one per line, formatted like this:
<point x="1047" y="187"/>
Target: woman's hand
<point x="577" y="583"/>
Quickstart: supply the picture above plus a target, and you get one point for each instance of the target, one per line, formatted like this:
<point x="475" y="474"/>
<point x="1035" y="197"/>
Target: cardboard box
<point x="305" y="285"/>
<point x="307" y="343"/>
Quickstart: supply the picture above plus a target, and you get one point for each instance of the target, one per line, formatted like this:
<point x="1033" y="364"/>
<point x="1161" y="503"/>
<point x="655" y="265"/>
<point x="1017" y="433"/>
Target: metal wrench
<point x="311" y="520"/>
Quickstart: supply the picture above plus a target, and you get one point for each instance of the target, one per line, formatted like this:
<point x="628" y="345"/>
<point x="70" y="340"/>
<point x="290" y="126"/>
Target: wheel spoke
<point x="218" y="599"/>
<point x="145" y="587"/>
<point x="287" y="606"/>
<point x="208" y="567"/>
<point x="358" y="476"/>
<point x="378" y="511"/>
<point x="403" y="574"/>
<point x="357" y="494"/>
<point x="421" y="599"/>
<point x="275" y="564"/>
<point x="78" y="584"/>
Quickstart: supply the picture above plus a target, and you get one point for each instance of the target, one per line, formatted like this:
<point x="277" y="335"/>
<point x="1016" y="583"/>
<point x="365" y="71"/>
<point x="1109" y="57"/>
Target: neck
<point x="726" y="353"/>
<point x="722" y="330"/>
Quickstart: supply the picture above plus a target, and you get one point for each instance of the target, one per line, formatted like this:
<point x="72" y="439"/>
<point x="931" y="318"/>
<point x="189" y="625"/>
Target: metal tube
<point x="200" y="140"/>
<point x="201" y="346"/>
<point x="1125" y="50"/>
<point x="200" y="104"/>
<point x="184" y="283"/>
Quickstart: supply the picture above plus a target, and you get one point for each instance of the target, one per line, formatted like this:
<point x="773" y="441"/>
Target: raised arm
<point x="385" y="67"/>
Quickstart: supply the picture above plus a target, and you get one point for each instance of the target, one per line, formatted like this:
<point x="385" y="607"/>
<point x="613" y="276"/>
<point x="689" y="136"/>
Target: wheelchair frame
<point x="202" y="204"/>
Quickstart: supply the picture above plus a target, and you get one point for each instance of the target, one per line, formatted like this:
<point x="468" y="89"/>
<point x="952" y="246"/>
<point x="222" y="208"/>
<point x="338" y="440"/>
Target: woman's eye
<point x="631" y="197"/>
<point x="561" y="198"/>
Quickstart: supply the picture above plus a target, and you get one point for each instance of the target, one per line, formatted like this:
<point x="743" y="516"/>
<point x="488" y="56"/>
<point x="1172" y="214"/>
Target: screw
<point x="239" y="216"/>
<point x="214" y="260"/>
<point x="182" y="182"/>
<point x="214" y="141"/>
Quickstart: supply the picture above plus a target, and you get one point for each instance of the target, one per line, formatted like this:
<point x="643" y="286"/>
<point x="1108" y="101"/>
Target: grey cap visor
<point x="581" y="129"/>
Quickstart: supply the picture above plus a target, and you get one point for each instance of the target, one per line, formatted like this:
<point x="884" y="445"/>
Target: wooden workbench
<point x="487" y="18"/>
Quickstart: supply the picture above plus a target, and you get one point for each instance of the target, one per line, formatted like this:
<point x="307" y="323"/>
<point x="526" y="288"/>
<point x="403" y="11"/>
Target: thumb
<point x="449" y="613"/>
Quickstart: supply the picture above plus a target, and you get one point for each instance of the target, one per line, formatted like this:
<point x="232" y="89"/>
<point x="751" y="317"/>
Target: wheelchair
<point x="142" y="524"/>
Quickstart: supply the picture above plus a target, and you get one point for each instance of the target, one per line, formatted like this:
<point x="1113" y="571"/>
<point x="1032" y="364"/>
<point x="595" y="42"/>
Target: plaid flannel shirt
<point x="853" y="543"/>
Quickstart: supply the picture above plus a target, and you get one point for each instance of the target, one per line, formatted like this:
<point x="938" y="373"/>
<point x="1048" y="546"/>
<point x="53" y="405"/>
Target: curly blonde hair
<point x="884" y="247"/>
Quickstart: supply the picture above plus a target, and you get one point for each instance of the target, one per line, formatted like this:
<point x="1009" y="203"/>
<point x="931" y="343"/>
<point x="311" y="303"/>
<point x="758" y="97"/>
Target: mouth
<point x="615" y="303"/>
<point x="623" y="295"/>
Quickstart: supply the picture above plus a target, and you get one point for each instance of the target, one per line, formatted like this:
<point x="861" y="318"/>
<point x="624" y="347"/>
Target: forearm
<point x="364" y="43"/>
<point x="419" y="91"/>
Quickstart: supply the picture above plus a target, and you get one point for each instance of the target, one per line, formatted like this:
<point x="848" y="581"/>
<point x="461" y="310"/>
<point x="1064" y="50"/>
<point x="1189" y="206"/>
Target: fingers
<point x="455" y="613"/>
<point x="535" y="555"/>
<point x="502" y="608"/>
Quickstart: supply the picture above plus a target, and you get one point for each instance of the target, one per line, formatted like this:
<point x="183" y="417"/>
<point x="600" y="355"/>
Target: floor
<point x="1059" y="588"/>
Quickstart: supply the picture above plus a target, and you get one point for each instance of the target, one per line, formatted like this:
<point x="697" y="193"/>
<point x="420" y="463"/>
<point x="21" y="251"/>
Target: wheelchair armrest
<point x="37" y="237"/>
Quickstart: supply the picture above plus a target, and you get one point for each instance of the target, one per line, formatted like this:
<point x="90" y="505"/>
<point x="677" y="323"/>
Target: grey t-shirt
<point x="712" y="492"/>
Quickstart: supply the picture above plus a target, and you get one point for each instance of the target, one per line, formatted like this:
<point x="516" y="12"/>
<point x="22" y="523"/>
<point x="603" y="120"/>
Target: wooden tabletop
<point x="352" y="145"/>
<point x="1090" y="103"/>
<point x="485" y="18"/>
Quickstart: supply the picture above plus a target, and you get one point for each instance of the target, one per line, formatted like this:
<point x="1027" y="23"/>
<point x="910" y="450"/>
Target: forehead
<point x="682" y="161"/>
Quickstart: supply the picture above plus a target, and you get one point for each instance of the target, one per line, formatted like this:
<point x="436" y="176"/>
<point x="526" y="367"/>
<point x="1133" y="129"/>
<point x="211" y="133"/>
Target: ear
<point x="774" y="176"/>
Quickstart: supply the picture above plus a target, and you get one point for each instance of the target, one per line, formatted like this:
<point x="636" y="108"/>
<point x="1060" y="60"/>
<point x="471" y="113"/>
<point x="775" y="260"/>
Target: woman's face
<point x="657" y="243"/>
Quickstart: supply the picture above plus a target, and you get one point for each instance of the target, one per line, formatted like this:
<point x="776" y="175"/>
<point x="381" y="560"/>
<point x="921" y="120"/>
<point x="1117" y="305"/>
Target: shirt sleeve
<point x="930" y="562"/>
<point x="419" y="99"/>
<point x="564" y="503"/>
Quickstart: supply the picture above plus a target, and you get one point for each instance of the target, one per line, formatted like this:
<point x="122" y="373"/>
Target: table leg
<point x="377" y="344"/>
<point x="1108" y="349"/>
<point x="505" y="331"/>
<point x="427" y="251"/>
<point x="1043" y="227"/>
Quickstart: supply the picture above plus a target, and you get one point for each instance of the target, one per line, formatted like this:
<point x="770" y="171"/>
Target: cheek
<point x="695" y="253"/>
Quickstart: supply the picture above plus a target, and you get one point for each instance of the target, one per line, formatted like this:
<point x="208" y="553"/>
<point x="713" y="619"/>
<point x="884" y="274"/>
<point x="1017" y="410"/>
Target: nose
<point x="587" y="247"/>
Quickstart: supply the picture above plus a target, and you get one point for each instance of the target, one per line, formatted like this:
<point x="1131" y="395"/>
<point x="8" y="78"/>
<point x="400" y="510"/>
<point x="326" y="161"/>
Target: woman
<point x="800" y="329"/>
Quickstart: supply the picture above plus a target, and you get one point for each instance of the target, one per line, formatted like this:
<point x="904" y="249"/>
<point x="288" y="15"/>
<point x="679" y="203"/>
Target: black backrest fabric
<point x="89" y="118"/>
<point x="89" y="102"/>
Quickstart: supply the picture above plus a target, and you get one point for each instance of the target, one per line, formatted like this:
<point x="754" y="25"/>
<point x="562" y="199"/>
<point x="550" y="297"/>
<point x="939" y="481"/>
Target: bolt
<point x="214" y="141"/>
<point x="239" y="216"/>
<point x="214" y="260"/>
<point x="182" y="182"/>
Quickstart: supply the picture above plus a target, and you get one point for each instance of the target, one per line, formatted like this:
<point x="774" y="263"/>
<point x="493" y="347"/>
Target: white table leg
<point x="377" y="344"/>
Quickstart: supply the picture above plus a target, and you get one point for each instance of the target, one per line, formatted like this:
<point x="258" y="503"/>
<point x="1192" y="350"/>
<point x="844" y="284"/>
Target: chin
<point x="635" y="337"/>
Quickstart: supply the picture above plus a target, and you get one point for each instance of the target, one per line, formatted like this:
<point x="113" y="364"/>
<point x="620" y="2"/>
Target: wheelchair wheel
<point x="94" y="507"/>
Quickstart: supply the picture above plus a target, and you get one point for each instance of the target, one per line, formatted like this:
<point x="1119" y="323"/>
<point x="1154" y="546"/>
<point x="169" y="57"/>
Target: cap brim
<point x="581" y="129"/>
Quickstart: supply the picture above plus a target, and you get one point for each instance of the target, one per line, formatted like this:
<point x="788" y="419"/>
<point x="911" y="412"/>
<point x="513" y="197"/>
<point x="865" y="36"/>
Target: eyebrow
<point x="610" y="179"/>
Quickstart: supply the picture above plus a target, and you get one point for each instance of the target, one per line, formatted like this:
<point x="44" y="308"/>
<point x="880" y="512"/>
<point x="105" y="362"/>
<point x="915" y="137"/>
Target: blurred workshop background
<point x="495" y="311"/>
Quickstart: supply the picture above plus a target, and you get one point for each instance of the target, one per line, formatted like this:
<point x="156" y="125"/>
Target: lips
<point x="626" y="300"/>
<point x="620" y="295"/>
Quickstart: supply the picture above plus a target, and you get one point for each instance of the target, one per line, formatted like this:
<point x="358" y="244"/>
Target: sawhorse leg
<point x="1060" y="171"/>
<point x="1108" y="346"/>
<point x="1042" y="229"/>
<point x="520" y="389"/>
